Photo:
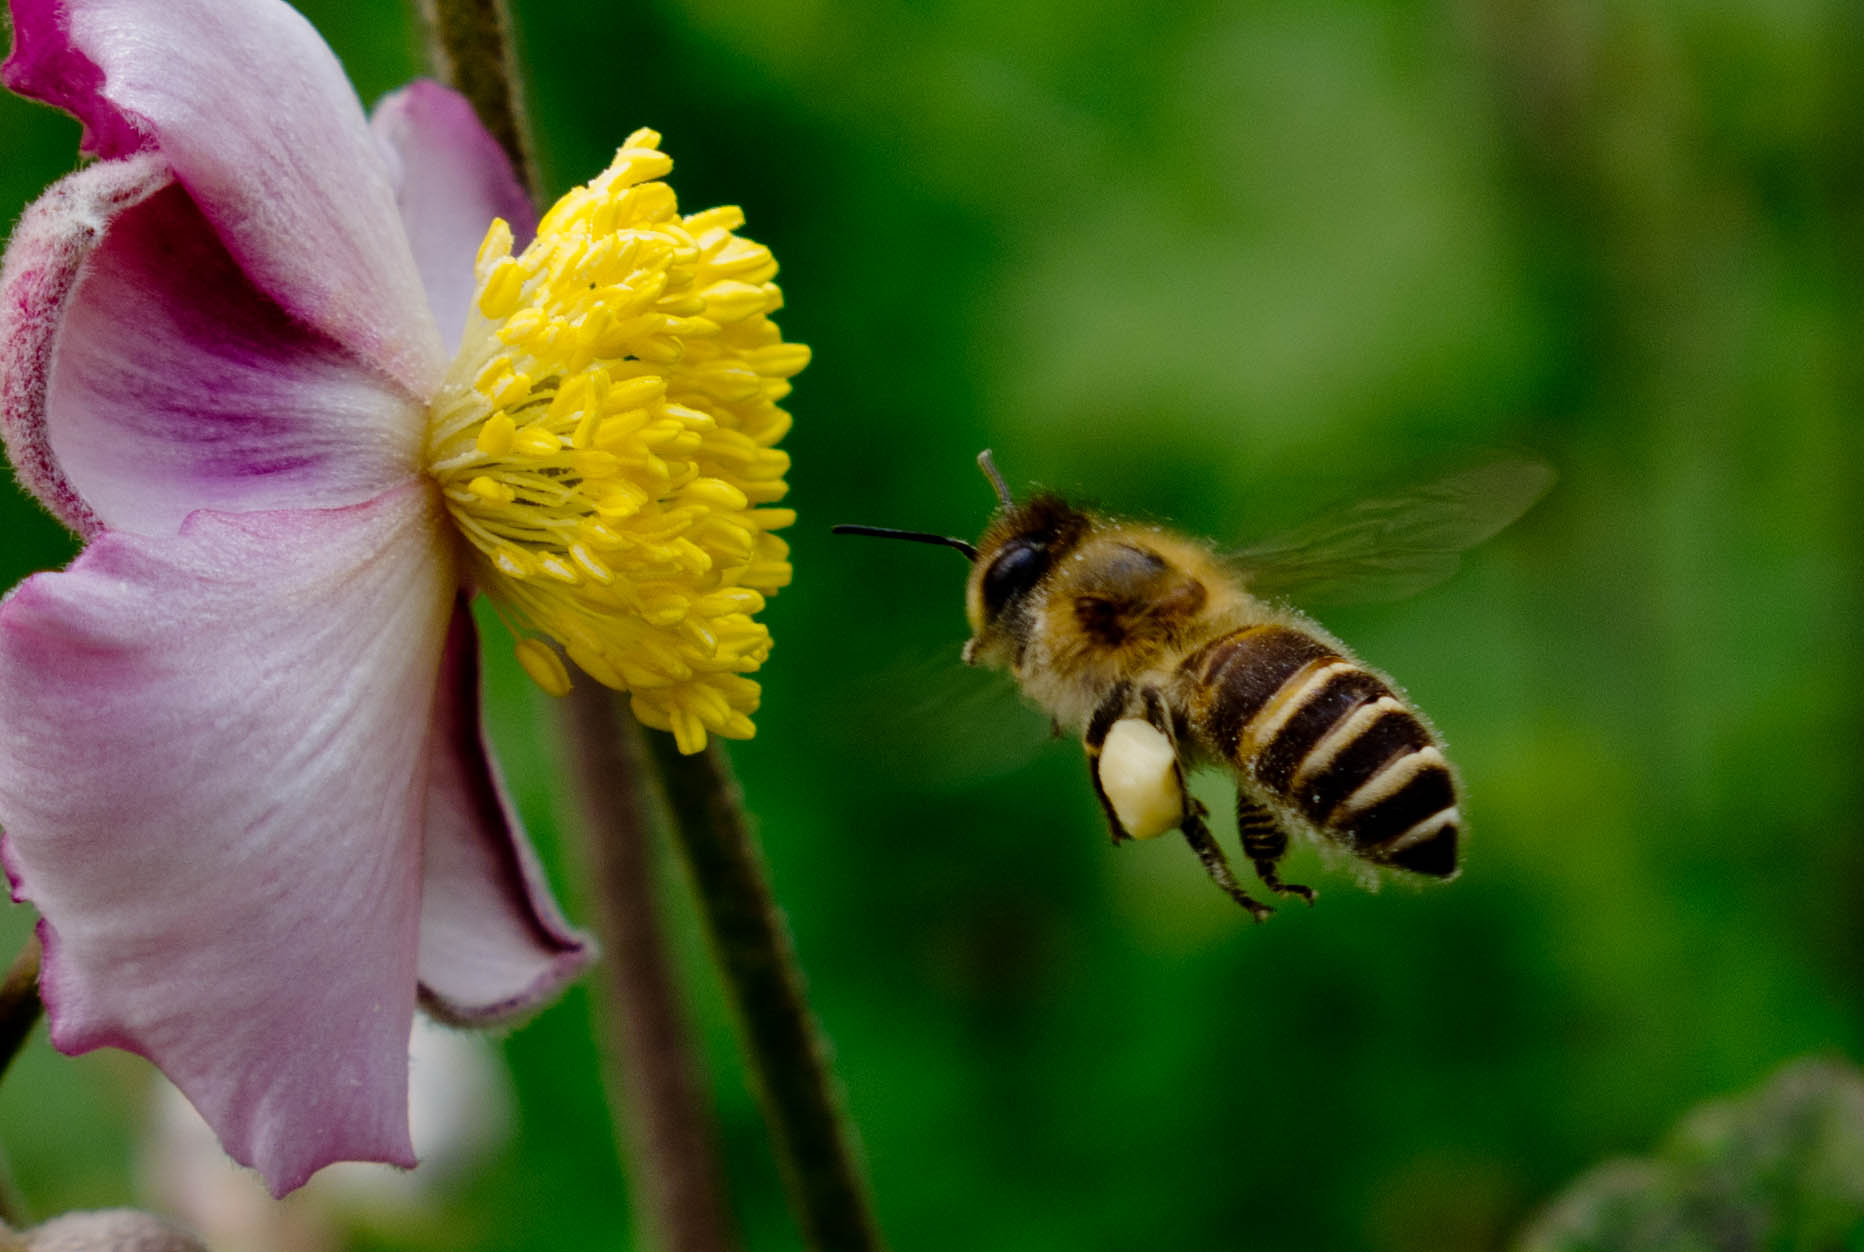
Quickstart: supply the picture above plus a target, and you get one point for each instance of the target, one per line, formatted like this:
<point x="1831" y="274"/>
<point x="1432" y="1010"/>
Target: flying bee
<point x="1166" y="656"/>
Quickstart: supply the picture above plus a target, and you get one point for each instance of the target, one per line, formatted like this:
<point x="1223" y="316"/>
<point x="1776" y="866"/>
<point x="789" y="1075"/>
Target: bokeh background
<point x="1222" y="265"/>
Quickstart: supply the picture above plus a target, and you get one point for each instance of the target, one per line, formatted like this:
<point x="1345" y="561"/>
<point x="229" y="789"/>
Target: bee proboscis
<point x="1165" y="656"/>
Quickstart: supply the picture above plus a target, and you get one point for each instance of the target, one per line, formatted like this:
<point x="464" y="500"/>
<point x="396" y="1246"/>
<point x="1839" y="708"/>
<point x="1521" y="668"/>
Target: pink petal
<point x="44" y="258"/>
<point x="451" y="179"/>
<point x="145" y="376"/>
<point x="252" y="111"/>
<point x="213" y="758"/>
<point x="493" y="944"/>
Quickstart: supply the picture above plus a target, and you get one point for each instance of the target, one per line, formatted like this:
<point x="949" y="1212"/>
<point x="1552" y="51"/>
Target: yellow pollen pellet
<point x="544" y="666"/>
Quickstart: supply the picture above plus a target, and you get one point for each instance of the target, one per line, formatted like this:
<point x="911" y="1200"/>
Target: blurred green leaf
<point x="1780" y="1169"/>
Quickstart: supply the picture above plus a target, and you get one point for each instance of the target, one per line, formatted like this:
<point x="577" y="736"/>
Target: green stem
<point x="787" y="1053"/>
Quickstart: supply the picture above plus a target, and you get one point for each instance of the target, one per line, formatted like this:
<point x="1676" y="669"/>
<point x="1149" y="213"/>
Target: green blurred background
<point x="1221" y="265"/>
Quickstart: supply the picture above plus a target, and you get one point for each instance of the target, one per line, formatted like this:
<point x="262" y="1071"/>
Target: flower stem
<point x="814" y="1140"/>
<point x="662" y="1122"/>
<point x="651" y="1081"/>
<point x="19" y="1001"/>
<point x="469" y="44"/>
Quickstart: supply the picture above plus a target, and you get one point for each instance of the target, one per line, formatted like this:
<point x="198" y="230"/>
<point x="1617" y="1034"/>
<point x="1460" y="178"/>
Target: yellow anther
<point x="544" y="666"/>
<point x="605" y="438"/>
<point x="595" y="464"/>
<point x="495" y="247"/>
<point x="492" y="375"/>
<point x="591" y="564"/>
<point x="513" y="562"/>
<point x="723" y="220"/>
<point x="780" y="360"/>
<point x="511" y="388"/>
<point x="598" y="535"/>
<point x="715" y="492"/>
<point x="554" y="566"/>
<point x="501" y="288"/>
<point x="535" y="441"/>
<point x="494" y="439"/>
<point x="491" y="490"/>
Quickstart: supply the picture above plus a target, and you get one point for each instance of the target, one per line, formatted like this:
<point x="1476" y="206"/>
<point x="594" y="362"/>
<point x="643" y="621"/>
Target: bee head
<point x="1017" y="552"/>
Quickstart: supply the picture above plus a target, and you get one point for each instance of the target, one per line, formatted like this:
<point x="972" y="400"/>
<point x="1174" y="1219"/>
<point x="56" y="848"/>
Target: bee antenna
<point x="989" y="467"/>
<point x="915" y="536"/>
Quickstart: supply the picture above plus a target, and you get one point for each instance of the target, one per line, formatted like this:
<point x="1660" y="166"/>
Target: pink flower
<point x="241" y="770"/>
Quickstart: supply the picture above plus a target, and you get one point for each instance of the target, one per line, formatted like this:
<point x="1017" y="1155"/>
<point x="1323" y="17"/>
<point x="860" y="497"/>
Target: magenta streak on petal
<point x="46" y="65"/>
<point x="252" y="111"/>
<point x="44" y="259"/>
<point x="176" y="385"/>
<point x="493" y="944"/>
<point x="213" y="762"/>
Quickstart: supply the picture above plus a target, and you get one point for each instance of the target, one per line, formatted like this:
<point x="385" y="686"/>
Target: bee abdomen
<point x="1330" y="738"/>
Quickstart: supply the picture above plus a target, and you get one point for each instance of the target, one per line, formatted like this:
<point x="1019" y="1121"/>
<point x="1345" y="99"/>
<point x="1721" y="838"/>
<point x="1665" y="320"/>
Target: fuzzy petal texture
<point x="147" y="377"/>
<point x="493" y="944"/>
<point x="214" y="752"/>
<point x="252" y="111"/>
<point x="451" y="179"/>
<point x="45" y="257"/>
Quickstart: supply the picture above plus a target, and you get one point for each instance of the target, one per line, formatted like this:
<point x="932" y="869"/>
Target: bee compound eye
<point x="1017" y="568"/>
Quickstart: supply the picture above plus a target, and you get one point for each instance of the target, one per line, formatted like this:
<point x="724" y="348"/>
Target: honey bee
<point x="1166" y="656"/>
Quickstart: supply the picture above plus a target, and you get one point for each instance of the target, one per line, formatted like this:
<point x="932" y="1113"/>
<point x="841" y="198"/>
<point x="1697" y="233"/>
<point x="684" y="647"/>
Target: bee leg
<point x="1110" y="711"/>
<point x="1198" y="835"/>
<point x="1265" y="842"/>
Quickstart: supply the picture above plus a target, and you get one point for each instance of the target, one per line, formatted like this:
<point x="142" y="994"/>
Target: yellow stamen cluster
<point x="606" y="438"/>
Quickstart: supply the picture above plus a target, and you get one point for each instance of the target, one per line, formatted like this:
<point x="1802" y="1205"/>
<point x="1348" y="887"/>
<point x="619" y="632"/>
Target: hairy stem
<point x="20" y="1007"/>
<point x="660" y="1116"/>
<point x="19" y="1002"/>
<point x="648" y="1053"/>
<point x="788" y="1055"/>
<point x="469" y="45"/>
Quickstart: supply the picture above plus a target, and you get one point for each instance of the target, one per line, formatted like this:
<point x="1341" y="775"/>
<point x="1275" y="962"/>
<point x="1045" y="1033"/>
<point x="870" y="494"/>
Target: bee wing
<point x="1390" y="547"/>
<point x="936" y="722"/>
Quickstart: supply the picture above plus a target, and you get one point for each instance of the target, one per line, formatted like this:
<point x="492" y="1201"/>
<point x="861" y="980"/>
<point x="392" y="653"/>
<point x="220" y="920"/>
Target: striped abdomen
<point x="1329" y="739"/>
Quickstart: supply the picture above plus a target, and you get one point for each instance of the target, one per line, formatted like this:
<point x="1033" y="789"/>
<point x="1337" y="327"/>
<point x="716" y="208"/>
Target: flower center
<point x="605" y="440"/>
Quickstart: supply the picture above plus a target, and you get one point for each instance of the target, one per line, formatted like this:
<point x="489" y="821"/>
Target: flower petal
<point x="493" y="943"/>
<point x="213" y="753"/>
<point x="44" y="258"/>
<point x="144" y="377"/>
<point x="451" y="179"/>
<point x="251" y="109"/>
